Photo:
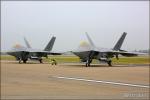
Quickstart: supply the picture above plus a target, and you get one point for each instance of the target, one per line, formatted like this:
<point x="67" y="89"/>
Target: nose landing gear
<point x="40" y="60"/>
<point x="88" y="62"/>
<point x="107" y="60"/>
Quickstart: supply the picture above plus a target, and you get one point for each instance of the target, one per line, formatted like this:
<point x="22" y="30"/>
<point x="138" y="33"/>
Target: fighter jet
<point x="87" y="53"/>
<point x="24" y="53"/>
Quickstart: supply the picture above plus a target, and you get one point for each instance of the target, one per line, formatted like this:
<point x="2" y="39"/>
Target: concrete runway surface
<point x="73" y="81"/>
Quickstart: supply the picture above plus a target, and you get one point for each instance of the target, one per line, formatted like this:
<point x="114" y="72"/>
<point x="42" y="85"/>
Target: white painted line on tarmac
<point x="101" y="81"/>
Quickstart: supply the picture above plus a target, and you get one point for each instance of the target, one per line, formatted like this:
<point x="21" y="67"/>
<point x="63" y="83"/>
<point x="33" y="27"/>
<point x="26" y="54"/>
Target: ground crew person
<point x="53" y="62"/>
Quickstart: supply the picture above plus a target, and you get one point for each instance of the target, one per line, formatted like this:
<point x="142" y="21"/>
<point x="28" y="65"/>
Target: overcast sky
<point x="104" y="21"/>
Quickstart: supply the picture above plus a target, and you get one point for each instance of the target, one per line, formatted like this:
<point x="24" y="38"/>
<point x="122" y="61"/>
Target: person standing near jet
<point x="52" y="62"/>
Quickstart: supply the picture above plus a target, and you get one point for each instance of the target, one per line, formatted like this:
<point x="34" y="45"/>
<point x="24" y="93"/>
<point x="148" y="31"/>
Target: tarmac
<point x="73" y="81"/>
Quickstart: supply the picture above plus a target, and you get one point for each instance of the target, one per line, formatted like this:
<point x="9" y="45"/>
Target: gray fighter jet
<point x="24" y="53"/>
<point x="89" y="52"/>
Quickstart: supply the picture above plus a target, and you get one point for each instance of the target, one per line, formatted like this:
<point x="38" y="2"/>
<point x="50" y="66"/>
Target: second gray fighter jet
<point x="89" y="52"/>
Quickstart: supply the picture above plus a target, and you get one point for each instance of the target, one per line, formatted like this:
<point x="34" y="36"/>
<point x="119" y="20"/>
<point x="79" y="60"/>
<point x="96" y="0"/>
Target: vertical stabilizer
<point x="120" y="41"/>
<point x="27" y="43"/>
<point x="90" y="41"/>
<point x="50" y="44"/>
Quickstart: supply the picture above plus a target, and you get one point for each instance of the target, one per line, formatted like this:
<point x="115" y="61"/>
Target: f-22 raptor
<point x="24" y="53"/>
<point x="89" y="52"/>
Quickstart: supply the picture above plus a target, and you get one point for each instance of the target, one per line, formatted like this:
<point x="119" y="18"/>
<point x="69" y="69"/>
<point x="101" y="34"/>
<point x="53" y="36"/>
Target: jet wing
<point x="128" y="54"/>
<point x="54" y="53"/>
<point x="123" y="53"/>
<point x="16" y="51"/>
<point x="45" y="52"/>
<point x="34" y="51"/>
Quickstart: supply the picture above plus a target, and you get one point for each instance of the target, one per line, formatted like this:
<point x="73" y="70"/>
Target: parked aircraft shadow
<point x="15" y="62"/>
<point x="125" y="65"/>
<point x="81" y="65"/>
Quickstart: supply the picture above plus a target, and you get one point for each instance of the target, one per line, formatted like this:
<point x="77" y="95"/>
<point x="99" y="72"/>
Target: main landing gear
<point x="107" y="60"/>
<point x="19" y="60"/>
<point x="40" y="60"/>
<point x="24" y="61"/>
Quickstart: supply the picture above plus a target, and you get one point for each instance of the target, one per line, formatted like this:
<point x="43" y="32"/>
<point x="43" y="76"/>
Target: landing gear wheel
<point x="109" y="63"/>
<point x="40" y="61"/>
<point x="24" y="61"/>
<point x="19" y="61"/>
<point x="87" y="63"/>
